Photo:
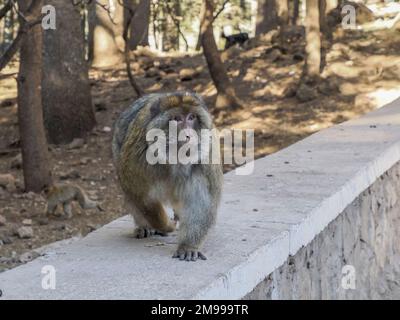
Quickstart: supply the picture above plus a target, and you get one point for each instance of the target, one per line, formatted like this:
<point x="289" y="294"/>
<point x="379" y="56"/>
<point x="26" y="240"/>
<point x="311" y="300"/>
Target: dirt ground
<point x="361" y="73"/>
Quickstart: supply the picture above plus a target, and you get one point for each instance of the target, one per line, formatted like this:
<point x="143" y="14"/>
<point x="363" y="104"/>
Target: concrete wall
<point x="285" y="231"/>
<point x="365" y="238"/>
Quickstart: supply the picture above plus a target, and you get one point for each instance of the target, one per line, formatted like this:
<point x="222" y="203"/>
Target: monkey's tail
<point x="84" y="200"/>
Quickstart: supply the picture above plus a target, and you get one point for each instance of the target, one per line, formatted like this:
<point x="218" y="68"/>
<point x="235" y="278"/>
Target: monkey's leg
<point x="143" y="229"/>
<point x="51" y="208"/>
<point x="196" y="219"/>
<point x="67" y="209"/>
<point x="156" y="216"/>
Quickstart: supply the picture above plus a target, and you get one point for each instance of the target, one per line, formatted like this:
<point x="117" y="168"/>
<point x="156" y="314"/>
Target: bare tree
<point x="226" y="96"/>
<point x="108" y="33"/>
<point x="283" y="12"/>
<point x="296" y="10"/>
<point x="139" y="29"/>
<point x="67" y="102"/>
<point x="35" y="154"/>
<point x="313" y="39"/>
<point x="267" y="16"/>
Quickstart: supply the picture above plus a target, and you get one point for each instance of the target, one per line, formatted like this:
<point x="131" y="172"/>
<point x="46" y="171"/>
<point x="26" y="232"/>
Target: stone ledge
<point x="265" y="217"/>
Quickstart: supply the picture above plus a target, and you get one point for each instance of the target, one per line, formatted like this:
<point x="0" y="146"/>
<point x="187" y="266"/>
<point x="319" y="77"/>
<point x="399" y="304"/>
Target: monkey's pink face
<point x="187" y="125"/>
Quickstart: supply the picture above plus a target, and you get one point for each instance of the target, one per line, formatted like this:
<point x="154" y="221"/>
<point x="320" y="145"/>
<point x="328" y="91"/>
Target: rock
<point x="16" y="162"/>
<point x="152" y="72"/>
<point x="84" y="160"/>
<point x="28" y="256"/>
<point x="76" y="143"/>
<point x="6" y="240"/>
<point x="25" y="232"/>
<point x="106" y="129"/>
<point x="298" y="56"/>
<point x="8" y="182"/>
<point x="27" y="222"/>
<point x="275" y="55"/>
<point x="43" y="221"/>
<point x="306" y="93"/>
<point x="100" y="106"/>
<point x="363" y="13"/>
<point x="3" y="220"/>
<point x="92" y="226"/>
<point x="328" y="87"/>
<point x="187" y="74"/>
<point x="29" y="195"/>
<point x="73" y="174"/>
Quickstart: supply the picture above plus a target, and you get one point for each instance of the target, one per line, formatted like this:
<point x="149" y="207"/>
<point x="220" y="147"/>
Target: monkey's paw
<point x="143" y="232"/>
<point x="189" y="254"/>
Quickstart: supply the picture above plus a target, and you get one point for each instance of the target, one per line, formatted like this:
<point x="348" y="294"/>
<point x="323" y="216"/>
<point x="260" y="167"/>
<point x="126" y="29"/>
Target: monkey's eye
<point x="191" y="117"/>
<point x="178" y="118"/>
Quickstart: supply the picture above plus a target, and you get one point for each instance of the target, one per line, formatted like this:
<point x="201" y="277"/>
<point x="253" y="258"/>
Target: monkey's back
<point x="123" y="122"/>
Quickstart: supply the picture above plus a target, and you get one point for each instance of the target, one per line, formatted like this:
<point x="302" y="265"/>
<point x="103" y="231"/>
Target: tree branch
<point x="176" y="23"/>
<point x="15" y="45"/>
<point x="139" y="91"/>
<point x="28" y="22"/>
<point x="220" y="10"/>
<point x="7" y="7"/>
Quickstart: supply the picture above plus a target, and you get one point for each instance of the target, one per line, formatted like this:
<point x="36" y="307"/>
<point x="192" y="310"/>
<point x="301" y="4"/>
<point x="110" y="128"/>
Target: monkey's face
<point x="186" y="127"/>
<point x="181" y="120"/>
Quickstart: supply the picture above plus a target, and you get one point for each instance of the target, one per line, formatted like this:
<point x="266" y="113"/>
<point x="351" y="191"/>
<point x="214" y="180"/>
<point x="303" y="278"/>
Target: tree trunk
<point x="283" y="12"/>
<point x="35" y="156"/>
<point x="296" y="10"/>
<point x="107" y="50"/>
<point x="8" y="31"/>
<point x="267" y="16"/>
<point x="322" y="17"/>
<point x="202" y="10"/>
<point x="170" y="32"/>
<point x="226" y="97"/>
<point x="330" y="5"/>
<point x="67" y="102"/>
<point x="91" y="16"/>
<point x="313" y="39"/>
<point x="139" y="31"/>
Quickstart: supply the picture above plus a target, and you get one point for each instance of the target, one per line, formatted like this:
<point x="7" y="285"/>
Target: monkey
<point x="64" y="195"/>
<point x="192" y="190"/>
<point x="233" y="39"/>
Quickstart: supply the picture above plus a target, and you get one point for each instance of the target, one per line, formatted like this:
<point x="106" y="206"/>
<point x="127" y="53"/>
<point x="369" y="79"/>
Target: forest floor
<point x="361" y="74"/>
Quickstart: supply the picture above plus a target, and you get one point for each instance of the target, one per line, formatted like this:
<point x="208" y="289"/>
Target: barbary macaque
<point x="193" y="190"/>
<point x="64" y="195"/>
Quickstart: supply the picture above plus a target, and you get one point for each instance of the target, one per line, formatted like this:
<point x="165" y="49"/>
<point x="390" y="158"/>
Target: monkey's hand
<point x="188" y="254"/>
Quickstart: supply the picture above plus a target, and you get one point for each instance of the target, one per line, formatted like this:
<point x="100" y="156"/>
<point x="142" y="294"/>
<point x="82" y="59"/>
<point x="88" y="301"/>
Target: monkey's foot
<point x="143" y="232"/>
<point x="188" y="254"/>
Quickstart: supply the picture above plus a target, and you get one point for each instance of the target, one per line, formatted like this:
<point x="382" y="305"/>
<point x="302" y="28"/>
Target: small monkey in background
<point x="193" y="190"/>
<point x="64" y="195"/>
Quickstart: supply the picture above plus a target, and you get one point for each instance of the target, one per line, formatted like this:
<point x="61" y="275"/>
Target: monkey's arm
<point x="197" y="215"/>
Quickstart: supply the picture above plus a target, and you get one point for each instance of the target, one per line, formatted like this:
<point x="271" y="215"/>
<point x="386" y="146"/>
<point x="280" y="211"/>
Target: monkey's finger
<point x="182" y="256"/>
<point x="202" y="256"/>
<point x="189" y="256"/>
<point x="194" y="255"/>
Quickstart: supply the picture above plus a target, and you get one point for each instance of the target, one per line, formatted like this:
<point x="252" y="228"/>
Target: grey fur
<point x="193" y="191"/>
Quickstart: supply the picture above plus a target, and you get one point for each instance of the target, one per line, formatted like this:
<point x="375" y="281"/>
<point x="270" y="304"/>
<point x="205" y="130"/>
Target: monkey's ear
<point x="169" y="102"/>
<point x="155" y="109"/>
<point x="189" y="99"/>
